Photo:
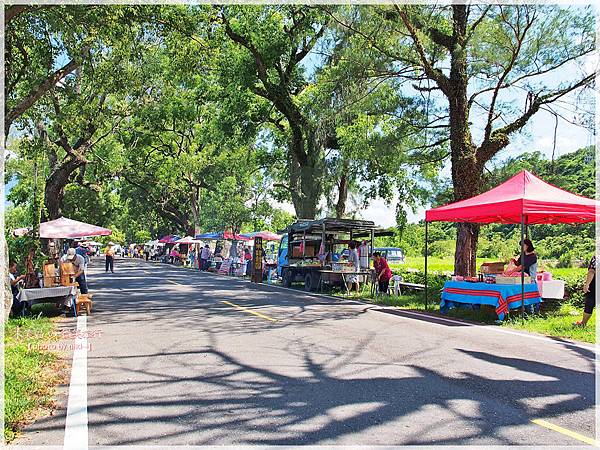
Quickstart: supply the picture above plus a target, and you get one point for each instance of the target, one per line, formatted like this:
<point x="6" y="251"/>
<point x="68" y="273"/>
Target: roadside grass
<point x="30" y="374"/>
<point x="558" y="323"/>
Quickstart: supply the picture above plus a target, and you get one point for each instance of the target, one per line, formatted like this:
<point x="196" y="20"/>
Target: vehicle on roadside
<point x="391" y="254"/>
<point x="311" y="251"/>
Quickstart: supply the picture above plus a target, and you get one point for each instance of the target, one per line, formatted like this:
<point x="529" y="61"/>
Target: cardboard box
<point x="308" y="252"/>
<point x="492" y="268"/>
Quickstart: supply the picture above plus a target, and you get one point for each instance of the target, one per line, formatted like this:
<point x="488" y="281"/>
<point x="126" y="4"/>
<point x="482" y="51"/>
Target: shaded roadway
<point x="173" y="364"/>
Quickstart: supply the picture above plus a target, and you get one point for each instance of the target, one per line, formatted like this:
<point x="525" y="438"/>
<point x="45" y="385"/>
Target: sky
<point x="537" y="135"/>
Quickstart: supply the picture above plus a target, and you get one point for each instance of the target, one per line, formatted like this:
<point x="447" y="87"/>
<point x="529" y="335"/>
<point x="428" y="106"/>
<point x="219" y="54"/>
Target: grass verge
<point x="30" y="373"/>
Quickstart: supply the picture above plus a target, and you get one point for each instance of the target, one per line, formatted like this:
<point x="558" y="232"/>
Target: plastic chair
<point x="397" y="279"/>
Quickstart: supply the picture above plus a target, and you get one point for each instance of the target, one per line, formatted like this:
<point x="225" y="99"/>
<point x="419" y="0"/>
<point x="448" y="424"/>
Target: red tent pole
<point x="426" y="251"/>
<point x="522" y="266"/>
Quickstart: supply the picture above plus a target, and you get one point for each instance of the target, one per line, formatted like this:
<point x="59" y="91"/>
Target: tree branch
<point x="435" y="74"/>
<point x="39" y="91"/>
<point x="499" y="138"/>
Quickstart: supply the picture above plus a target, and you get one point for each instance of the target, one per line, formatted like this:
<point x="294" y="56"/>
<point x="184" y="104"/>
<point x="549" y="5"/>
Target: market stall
<point x="185" y="245"/>
<point x="314" y="251"/>
<point x="57" y="284"/>
<point x="224" y="263"/>
<point x="523" y="199"/>
<point x="270" y="252"/>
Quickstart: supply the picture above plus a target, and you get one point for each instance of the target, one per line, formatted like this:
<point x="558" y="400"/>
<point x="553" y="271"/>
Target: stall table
<point x="501" y="296"/>
<point x="65" y="295"/>
<point x="334" y="275"/>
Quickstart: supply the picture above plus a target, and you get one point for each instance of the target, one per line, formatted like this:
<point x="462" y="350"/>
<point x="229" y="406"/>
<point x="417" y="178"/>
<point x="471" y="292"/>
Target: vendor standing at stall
<point x="382" y="272"/>
<point x="355" y="261"/>
<point x="530" y="259"/>
<point x="363" y="253"/>
<point x="15" y="279"/>
<point x="83" y="251"/>
<point x="79" y="265"/>
<point x="204" y="257"/>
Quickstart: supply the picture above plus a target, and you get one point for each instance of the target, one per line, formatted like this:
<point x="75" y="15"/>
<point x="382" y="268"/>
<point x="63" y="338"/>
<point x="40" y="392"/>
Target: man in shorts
<point x="589" y="288"/>
<point x="353" y="258"/>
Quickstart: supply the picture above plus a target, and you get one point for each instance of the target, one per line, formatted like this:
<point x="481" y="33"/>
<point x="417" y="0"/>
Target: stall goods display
<point x="512" y="280"/>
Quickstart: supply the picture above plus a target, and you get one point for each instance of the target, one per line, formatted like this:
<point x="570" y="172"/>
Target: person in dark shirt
<point x="15" y="279"/>
<point x="529" y="260"/>
<point x="589" y="289"/>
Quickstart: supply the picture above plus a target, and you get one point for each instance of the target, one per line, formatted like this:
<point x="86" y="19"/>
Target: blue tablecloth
<point x="502" y="296"/>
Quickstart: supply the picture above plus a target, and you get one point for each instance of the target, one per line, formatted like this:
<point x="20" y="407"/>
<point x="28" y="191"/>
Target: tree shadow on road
<point x="232" y="402"/>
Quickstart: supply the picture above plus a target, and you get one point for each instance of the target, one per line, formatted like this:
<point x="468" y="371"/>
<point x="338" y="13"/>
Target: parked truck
<point x="310" y="249"/>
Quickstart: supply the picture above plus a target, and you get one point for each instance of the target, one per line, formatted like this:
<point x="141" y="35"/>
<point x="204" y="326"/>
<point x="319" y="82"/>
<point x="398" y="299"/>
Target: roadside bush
<point x="574" y="289"/>
<point x="565" y="260"/>
<point x="442" y="249"/>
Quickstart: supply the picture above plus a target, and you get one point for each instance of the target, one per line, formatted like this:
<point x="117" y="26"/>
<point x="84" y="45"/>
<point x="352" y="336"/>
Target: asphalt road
<point x="188" y="358"/>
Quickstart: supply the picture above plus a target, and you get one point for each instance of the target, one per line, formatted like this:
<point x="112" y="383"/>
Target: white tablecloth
<point x="31" y="295"/>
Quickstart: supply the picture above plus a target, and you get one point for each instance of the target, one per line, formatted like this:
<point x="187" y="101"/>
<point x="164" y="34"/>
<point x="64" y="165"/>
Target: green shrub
<point x="435" y="281"/>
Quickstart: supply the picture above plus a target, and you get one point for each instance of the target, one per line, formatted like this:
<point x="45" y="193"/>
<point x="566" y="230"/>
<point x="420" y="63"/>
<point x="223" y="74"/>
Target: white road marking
<point x="76" y="426"/>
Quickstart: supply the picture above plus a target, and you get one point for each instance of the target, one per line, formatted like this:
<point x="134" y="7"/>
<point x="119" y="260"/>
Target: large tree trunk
<point x="195" y="206"/>
<point x="55" y="186"/>
<point x="340" y="207"/>
<point x="466" y="171"/>
<point x="306" y="178"/>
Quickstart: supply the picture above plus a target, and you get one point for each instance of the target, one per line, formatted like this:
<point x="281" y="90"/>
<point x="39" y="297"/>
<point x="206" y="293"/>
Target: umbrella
<point x="70" y="229"/>
<point x="227" y="235"/>
<point x="92" y="243"/>
<point x="209" y="236"/>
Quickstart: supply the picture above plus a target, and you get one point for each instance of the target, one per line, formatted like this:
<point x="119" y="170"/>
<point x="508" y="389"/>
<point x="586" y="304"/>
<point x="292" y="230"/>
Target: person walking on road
<point x="589" y="289"/>
<point x="109" y="253"/>
<point x="204" y="256"/>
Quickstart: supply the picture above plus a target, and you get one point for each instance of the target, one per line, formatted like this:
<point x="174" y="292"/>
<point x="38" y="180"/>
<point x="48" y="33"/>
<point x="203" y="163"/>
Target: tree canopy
<point x="179" y="119"/>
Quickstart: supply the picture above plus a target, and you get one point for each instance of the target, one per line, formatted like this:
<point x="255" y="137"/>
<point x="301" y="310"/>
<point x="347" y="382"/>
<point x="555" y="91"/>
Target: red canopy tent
<point x="169" y="239"/>
<point x="228" y="235"/>
<point x="524" y="199"/>
<point x="70" y="229"/>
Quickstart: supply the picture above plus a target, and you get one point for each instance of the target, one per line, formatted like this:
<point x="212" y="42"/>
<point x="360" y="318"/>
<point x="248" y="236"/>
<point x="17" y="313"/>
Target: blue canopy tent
<point x="209" y="236"/>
